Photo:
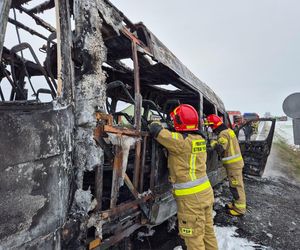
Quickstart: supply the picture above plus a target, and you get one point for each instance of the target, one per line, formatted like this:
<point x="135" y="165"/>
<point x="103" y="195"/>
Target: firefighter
<point x="187" y="172"/>
<point x="228" y="148"/>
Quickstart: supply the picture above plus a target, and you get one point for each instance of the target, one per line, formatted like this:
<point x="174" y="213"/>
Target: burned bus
<point x="78" y="169"/>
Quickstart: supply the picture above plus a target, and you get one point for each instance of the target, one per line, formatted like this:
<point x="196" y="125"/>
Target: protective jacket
<point x="233" y="162"/>
<point x="186" y="161"/>
<point x="191" y="187"/>
<point x="232" y="154"/>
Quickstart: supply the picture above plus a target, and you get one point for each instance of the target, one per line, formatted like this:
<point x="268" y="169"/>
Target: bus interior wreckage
<point x="78" y="167"/>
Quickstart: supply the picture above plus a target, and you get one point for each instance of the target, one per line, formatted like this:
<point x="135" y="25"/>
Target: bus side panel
<point x="35" y="153"/>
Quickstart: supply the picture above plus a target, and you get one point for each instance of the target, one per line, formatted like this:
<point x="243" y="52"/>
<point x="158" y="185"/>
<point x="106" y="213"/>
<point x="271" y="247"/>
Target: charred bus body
<point x="79" y="170"/>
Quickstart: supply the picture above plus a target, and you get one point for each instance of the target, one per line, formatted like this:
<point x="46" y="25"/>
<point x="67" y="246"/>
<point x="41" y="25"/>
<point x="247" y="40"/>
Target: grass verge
<point x="289" y="154"/>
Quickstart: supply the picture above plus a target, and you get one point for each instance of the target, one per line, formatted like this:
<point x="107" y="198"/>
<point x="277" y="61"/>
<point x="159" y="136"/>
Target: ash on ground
<point x="273" y="207"/>
<point x="272" y="220"/>
<point x="273" y="215"/>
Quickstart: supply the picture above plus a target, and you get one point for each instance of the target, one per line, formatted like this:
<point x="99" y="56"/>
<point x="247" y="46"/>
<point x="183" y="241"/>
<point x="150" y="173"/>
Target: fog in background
<point x="247" y="51"/>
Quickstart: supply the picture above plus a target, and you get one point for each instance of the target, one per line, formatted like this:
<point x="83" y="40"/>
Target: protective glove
<point x="209" y="148"/>
<point x="213" y="143"/>
<point x="220" y="150"/>
<point x="218" y="147"/>
<point x="154" y="128"/>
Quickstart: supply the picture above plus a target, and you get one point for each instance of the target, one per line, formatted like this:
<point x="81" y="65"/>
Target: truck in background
<point x="237" y="119"/>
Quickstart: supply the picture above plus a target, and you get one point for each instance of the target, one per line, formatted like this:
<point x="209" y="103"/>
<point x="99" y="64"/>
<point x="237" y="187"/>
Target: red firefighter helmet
<point x="214" y="121"/>
<point x="185" y="118"/>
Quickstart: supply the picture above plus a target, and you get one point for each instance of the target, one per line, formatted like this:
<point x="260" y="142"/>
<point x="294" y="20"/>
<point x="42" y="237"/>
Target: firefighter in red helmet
<point x="228" y="147"/>
<point x="187" y="172"/>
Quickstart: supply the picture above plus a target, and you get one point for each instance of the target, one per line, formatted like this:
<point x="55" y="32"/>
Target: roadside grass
<point x="289" y="154"/>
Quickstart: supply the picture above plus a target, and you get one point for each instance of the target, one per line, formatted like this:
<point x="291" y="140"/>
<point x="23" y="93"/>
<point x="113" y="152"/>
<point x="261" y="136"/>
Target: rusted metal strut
<point x="99" y="133"/>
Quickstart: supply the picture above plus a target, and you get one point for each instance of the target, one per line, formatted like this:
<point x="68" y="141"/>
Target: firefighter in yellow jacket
<point x="187" y="172"/>
<point x="228" y="147"/>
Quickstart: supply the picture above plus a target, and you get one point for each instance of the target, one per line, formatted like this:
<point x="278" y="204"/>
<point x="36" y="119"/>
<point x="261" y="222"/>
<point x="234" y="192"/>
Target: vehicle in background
<point x="255" y="139"/>
<point x="250" y="116"/>
<point x="281" y="118"/>
<point x="251" y="128"/>
<point x="235" y="118"/>
<point x="78" y="169"/>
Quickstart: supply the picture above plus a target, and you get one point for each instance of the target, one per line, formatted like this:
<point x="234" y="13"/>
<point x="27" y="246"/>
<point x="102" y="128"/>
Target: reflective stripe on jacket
<point x="186" y="161"/>
<point x="191" y="187"/>
<point x="232" y="155"/>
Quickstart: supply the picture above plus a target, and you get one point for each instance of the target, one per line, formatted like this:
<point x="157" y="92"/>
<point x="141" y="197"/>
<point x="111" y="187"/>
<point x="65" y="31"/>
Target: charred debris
<point x="78" y="168"/>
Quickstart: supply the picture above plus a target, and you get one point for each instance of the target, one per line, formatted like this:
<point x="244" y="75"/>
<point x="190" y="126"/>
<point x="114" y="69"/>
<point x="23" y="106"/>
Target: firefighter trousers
<point x="195" y="221"/>
<point x="236" y="184"/>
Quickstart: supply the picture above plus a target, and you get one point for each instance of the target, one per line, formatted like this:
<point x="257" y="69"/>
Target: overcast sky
<point x="247" y="51"/>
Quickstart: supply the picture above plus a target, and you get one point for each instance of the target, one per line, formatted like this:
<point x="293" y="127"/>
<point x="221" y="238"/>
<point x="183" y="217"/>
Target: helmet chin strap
<point x="178" y="119"/>
<point x="170" y="125"/>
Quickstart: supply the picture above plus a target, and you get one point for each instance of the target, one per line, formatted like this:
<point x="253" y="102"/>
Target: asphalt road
<point x="273" y="215"/>
<point x="272" y="220"/>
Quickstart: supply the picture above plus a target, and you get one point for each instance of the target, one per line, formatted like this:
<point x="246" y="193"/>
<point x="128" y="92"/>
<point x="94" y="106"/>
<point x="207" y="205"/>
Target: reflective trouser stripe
<point x="190" y="184"/>
<point x="232" y="159"/>
<point x="234" y="182"/>
<point x="193" y="190"/>
<point x="193" y="167"/>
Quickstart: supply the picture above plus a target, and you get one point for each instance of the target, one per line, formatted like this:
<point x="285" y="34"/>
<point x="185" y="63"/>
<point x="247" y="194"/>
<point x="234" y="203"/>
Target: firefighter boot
<point x="230" y="210"/>
<point x="229" y="205"/>
<point x="234" y="213"/>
